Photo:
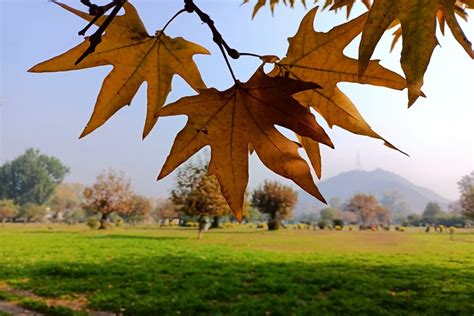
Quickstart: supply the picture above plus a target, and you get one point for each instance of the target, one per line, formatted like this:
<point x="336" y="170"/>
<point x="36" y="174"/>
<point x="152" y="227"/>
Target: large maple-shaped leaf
<point x="136" y="57"/>
<point x="242" y="116"/>
<point x="318" y="57"/>
<point x="418" y="24"/>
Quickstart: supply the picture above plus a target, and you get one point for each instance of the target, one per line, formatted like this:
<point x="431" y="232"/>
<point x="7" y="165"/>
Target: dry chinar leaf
<point x="242" y="116"/>
<point x="318" y="57"/>
<point x="333" y="5"/>
<point x="417" y="19"/>
<point x="136" y="57"/>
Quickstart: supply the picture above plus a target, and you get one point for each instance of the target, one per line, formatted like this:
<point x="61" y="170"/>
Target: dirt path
<point x="16" y="310"/>
<point x="78" y="304"/>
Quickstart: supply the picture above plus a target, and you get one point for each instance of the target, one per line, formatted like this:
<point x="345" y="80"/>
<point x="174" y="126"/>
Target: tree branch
<point x="96" y="38"/>
<point x="191" y="7"/>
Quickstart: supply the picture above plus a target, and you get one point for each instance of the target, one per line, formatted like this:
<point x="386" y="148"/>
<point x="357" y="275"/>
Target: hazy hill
<point x="375" y="182"/>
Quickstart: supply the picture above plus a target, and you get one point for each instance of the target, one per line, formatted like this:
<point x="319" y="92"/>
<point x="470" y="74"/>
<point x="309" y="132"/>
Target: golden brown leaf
<point x="271" y="59"/>
<point x="136" y="57"/>
<point x="339" y="4"/>
<point x="314" y="154"/>
<point x="333" y="5"/>
<point x="246" y="114"/>
<point x="458" y="9"/>
<point x="318" y="57"/>
<point x="418" y="24"/>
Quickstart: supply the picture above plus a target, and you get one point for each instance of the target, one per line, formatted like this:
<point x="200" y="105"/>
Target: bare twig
<point x="191" y="7"/>
<point x="96" y="38"/>
<point x="96" y="11"/>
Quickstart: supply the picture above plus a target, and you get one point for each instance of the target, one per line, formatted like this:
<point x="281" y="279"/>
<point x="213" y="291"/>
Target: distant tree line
<point x="31" y="190"/>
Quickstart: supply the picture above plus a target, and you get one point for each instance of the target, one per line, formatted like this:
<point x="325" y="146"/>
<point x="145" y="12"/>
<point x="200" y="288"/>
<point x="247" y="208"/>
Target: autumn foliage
<point x="276" y="200"/>
<point x="368" y="210"/>
<point x="110" y="193"/>
<point x="196" y="193"/>
<point x="243" y="118"/>
<point x="466" y="186"/>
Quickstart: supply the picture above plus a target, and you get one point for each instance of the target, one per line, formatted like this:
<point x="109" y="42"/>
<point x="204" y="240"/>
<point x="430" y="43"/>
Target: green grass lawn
<point x="242" y="271"/>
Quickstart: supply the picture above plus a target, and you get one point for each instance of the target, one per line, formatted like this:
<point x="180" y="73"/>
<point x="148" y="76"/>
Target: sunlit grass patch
<point x="150" y="270"/>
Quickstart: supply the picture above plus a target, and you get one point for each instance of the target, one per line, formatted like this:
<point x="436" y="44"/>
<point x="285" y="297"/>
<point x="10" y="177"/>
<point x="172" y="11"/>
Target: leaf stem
<point x="251" y="54"/>
<point x="171" y="20"/>
<point x="191" y="7"/>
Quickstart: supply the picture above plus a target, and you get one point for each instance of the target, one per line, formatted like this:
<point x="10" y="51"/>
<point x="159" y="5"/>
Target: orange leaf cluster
<point x="243" y="118"/>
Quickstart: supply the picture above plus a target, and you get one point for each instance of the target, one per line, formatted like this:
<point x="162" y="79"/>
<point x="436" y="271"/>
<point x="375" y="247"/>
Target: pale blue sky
<point x="49" y="111"/>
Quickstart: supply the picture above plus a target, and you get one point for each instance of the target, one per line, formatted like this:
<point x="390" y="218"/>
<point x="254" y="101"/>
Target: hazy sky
<point x="49" y="111"/>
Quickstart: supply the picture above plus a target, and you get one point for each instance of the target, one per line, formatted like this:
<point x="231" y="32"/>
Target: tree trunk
<point x="204" y="224"/>
<point x="215" y="222"/>
<point x="103" y="221"/>
<point x="273" y="222"/>
<point x="200" y="233"/>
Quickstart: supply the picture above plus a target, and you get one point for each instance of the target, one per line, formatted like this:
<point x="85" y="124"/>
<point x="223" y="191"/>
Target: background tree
<point x="335" y="202"/>
<point x="31" y="178"/>
<point x="30" y="212"/>
<point x="75" y="215"/>
<point x="250" y="213"/>
<point x="432" y="213"/>
<point x="412" y="220"/>
<point x="165" y="210"/>
<point x="198" y="194"/>
<point x="466" y="186"/>
<point x="67" y="197"/>
<point x="350" y="218"/>
<point x="305" y="67"/>
<point x="393" y="201"/>
<point x="365" y="206"/>
<point x="110" y="193"/>
<point x="8" y="210"/>
<point x="384" y="216"/>
<point x="140" y="210"/>
<point x="276" y="200"/>
<point x="329" y="213"/>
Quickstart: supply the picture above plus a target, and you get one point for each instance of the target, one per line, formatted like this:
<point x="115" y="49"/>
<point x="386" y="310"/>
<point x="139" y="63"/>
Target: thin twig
<point x="191" y="7"/>
<point x="96" y="38"/>
<point x="97" y="12"/>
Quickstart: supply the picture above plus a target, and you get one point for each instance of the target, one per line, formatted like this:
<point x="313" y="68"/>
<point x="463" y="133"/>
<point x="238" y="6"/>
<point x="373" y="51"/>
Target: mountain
<point x="376" y="182"/>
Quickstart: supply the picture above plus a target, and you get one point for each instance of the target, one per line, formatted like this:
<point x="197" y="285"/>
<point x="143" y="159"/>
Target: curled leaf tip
<point x="270" y="59"/>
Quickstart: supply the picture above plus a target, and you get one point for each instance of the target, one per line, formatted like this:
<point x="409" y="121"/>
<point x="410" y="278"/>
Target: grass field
<point x="241" y="271"/>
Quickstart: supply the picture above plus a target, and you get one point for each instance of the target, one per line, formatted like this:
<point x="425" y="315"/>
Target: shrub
<point x="191" y="224"/>
<point x="337" y="222"/>
<point x="303" y="226"/>
<point x="337" y="227"/>
<point x="322" y="224"/>
<point x="229" y="225"/>
<point x="93" y="222"/>
<point x="273" y="224"/>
